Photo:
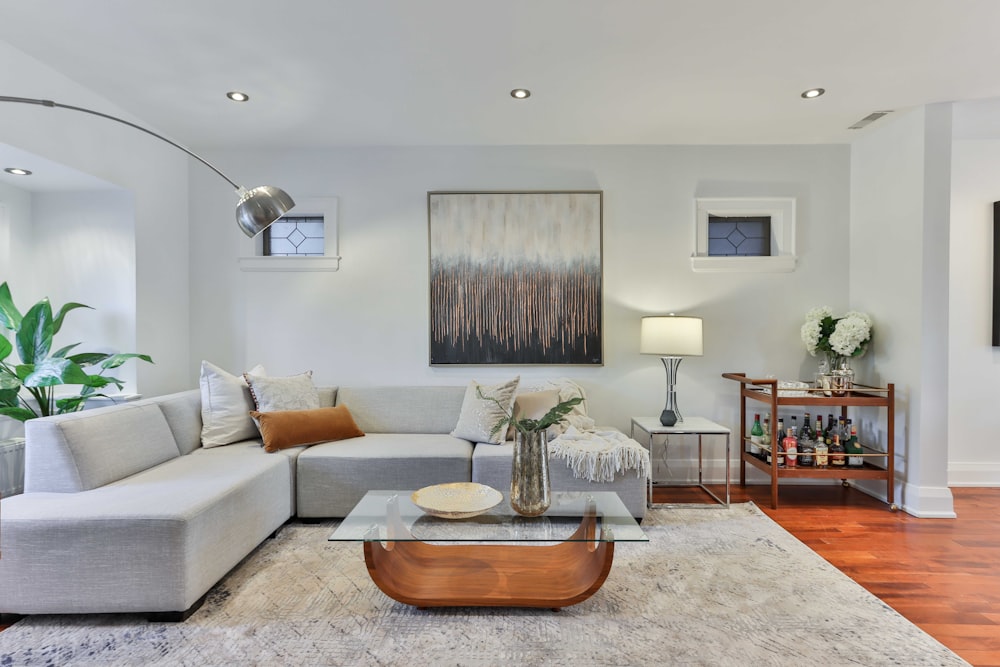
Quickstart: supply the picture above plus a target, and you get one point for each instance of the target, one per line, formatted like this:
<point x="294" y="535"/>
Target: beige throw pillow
<point x="225" y="406"/>
<point x="480" y="415"/>
<point x="533" y="405"/>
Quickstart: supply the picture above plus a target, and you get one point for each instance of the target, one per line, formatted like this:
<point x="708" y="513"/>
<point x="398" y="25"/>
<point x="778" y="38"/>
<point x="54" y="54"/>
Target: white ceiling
<point x="439" y="72"/>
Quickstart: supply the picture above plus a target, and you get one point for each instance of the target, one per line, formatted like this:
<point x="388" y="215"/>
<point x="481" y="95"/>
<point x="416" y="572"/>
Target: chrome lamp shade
<point x="672" y="338"/>
<point x="257" y="208"/>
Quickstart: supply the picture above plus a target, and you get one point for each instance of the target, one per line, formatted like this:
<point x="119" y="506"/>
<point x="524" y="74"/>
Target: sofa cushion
<point x="332" y="477"/>
<point x="85" y="450"/>
<point x="483" y="407"/>
<point x="155" y="541"/>
<point x="271" y="394"/>
<point x="289" y="428"/>
<point x="183" y="413"/>
<point x="225" y="406"/>
<point x="403" y="409"/>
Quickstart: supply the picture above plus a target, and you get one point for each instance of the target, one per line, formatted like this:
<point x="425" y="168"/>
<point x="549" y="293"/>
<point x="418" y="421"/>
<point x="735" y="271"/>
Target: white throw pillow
<point x="225" y="406"/>
<point x="271" y="394"/>
<point x="480" y="415"/>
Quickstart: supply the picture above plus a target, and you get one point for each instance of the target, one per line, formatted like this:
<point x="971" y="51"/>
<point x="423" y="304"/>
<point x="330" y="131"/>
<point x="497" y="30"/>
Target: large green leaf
<point x="116" y="360"/>
<point x="9" y="380"/>
<point x="20" y="414"/>
<point x="5" y="348"/>
<point x="8" y="396"/>
<point x="58" y="321"/>
<point x="63" y="351"/>
<point x="34" y="338"/>
<point x="88" y="358"/>
<point x="10" y="316"/>
<point x="52" y="372"/>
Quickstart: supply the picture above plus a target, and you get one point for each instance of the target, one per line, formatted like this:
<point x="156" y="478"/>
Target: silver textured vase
<point x="530" y="493"/>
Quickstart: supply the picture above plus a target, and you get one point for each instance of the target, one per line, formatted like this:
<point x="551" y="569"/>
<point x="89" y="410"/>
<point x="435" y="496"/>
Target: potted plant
<point x="530" y="492"/>
<point x="28" y="383"/>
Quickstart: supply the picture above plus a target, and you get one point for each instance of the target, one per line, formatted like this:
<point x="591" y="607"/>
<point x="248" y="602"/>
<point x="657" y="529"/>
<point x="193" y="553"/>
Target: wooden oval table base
<point x="491" y="575"/>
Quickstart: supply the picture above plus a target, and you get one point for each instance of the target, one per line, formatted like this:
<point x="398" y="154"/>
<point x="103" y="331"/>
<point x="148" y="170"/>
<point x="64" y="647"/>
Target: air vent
<point x="867" y="120"/>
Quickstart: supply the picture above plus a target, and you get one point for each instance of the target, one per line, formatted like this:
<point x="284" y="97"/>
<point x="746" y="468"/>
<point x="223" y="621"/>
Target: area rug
<point x="711" y="587"/>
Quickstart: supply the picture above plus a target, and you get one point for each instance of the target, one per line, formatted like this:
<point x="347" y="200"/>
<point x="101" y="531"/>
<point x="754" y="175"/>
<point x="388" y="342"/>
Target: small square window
<point x="740" y="236"/>
<point x="294" y="236"/>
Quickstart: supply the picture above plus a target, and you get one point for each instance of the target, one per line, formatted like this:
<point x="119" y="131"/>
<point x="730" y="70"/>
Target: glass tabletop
<point x="391" y="516"/>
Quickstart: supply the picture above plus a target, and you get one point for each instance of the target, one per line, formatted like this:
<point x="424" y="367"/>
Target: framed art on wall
<point x="515" y="277"/>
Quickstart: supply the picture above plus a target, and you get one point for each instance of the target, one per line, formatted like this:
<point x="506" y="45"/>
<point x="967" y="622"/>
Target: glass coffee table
<point x="495" y="559"/>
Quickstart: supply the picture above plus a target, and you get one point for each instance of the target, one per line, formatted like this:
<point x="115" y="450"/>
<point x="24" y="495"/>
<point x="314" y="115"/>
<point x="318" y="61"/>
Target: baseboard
<point x="974" y="474"/>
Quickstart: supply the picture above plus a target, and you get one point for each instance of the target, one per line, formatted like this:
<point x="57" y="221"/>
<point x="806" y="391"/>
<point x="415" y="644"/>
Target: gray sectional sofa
<point x="125" y="511"/>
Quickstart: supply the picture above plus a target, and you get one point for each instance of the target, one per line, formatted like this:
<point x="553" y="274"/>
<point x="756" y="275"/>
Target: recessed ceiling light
<point x="813" y="92"/>
<point x="17" y="171"/>
<point x="237" y="96"/>
<point x="520" y="93"/>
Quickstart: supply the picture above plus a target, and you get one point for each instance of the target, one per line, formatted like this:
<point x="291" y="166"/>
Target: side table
<point x="690" y="426"/>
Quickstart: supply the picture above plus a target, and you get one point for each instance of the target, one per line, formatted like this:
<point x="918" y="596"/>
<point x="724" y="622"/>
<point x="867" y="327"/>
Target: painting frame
<point x="516" y="277"/>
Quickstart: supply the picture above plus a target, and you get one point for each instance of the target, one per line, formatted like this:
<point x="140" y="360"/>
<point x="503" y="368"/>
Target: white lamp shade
<point x="671" y="336"/>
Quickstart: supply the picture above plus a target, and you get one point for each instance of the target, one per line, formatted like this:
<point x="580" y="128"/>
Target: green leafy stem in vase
<point x="40" y="370"/>
<point x="554" y="416"/>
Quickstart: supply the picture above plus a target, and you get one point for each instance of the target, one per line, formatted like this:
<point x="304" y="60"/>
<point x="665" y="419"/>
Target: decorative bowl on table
<point x="457" y="500"/>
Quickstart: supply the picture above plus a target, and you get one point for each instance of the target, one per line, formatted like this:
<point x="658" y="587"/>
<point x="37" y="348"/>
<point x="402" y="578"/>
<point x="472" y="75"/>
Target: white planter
<point x="11" y="467"/>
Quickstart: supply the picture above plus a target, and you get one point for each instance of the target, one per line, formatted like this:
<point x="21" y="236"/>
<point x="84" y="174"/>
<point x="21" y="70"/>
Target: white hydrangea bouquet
<point x="847" y="336"/>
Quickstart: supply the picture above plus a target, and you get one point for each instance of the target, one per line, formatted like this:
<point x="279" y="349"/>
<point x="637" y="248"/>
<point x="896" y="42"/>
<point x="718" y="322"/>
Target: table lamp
<point x="671" y="337"/>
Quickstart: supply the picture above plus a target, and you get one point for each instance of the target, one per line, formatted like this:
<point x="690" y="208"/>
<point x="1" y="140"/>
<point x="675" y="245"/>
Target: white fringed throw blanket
<point x="597" y="455"/>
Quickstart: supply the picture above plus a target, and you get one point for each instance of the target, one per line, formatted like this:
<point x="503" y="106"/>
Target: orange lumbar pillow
<point x="290" y="428"/>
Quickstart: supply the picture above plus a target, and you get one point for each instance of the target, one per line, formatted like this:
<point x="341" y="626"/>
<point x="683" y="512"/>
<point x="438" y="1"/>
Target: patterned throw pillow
<point x="270" y="394"/>
<point x="480" y="415"/>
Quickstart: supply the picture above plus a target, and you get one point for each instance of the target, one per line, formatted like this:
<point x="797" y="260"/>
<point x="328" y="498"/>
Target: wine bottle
<point x="779" y="453"/>
<point x="854" y="450"/>
<point x="756" y="436"/>
<point x="807" y="443"/>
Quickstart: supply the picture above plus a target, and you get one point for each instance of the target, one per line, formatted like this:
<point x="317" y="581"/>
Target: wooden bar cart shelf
<point x="878" y="464"/>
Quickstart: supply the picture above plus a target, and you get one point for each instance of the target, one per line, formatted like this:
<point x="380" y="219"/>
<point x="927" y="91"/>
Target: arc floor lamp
<point x="256" y="209"/>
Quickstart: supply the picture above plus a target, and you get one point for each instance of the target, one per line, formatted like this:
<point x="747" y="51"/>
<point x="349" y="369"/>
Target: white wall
<point x="974" y="365"/>
<point x="83" y="250"/>
<point x="154" y="173"/>
<point x="900" y="186"/>
<point x="368" y="323"/>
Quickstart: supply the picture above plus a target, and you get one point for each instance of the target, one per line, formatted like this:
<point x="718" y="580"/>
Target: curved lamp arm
<point x="257" y="208"/>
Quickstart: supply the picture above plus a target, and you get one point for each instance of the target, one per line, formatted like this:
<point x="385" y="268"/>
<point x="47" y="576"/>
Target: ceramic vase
<point x="530" y="492"/>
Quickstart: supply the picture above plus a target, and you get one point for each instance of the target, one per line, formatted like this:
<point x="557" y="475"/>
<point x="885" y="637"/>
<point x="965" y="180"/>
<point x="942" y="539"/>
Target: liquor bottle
<point x="765" y="450"/>
<point x="791" y="446"/>
<point x="756" y="436"/>
<point x="822" y="459"/>
<point x="837" y="458"/>
<point x="830" y="429"/>
<point x="779" y="453"/>
<point x="854" y="450"/>
<point x="795" y="426"/>
<point x="807" y="444"/>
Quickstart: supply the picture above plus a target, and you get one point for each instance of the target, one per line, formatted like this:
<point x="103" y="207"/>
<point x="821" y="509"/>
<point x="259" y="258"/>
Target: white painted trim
<point x="928" y="502"/>
<point x="781" y="210"/>
<point x="974" y="474"/>
<point x="289" y="263"/>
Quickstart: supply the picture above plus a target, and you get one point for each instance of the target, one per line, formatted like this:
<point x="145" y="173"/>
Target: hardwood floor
<point x="941" y="574"/>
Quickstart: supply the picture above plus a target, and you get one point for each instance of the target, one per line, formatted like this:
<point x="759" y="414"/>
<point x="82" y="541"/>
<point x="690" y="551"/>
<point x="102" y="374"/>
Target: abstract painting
<point x="515" y="277"/>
